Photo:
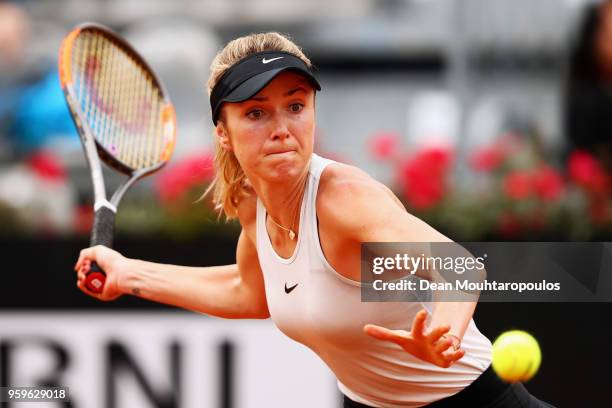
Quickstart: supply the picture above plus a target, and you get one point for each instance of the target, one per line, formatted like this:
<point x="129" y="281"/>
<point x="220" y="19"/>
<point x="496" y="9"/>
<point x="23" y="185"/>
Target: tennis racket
<point x="123" y="115"/>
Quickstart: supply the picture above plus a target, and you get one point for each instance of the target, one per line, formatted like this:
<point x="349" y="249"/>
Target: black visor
<point x="250" y="75"/>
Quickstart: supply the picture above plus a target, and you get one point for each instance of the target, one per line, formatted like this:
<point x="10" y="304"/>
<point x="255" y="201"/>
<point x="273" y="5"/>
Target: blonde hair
<point x="230" y="184"/>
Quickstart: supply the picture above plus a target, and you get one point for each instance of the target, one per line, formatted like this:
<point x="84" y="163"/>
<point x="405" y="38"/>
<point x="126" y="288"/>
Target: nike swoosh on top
<point x="288" y="290"/>
<point x="265" y="61"/>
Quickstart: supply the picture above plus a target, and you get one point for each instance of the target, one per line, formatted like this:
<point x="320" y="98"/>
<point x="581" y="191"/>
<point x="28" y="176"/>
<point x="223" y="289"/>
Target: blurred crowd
<point x="486" y="122"/>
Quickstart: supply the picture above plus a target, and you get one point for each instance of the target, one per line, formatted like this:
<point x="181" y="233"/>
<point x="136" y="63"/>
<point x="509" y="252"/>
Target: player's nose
<point x="279" y="130"/>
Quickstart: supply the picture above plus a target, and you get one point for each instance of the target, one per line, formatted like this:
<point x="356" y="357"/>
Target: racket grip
<point x="103" y="227"/>
<point x="102" y="234"/>
<point x="95" y="278"/>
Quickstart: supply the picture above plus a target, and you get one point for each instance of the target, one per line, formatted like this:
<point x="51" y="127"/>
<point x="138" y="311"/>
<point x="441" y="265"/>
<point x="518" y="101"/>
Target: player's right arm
<point x="228" y="291"/>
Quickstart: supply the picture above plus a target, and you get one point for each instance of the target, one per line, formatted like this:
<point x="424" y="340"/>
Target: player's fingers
<point x="83" y="269"/>
<point x="418" y="324"/>
<point x="81" y="285"/>
<point x="79" y="260"/>
<point x="86" y="256"/>
<point x="83" y="255"/>
<point x="442" y="345"/>
<point x="382" y="333"/>
<point x="437" y="332"/>
<point x="454" y="355"/>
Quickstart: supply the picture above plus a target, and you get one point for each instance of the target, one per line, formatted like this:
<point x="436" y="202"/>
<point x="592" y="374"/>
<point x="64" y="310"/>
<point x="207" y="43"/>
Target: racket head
<point x="116" y="100"/>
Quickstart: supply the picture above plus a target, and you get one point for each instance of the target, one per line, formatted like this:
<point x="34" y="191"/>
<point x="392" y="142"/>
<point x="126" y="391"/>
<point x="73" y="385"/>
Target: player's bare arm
<point x="228" y="291"/>
<point x="347" y="193"/>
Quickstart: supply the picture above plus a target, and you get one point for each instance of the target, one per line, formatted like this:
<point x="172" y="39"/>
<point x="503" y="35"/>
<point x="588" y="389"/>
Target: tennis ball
<point x="516" y="356"/>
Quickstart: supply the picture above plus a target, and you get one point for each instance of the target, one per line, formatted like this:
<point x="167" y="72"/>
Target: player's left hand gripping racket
<point x="123" y="116"/>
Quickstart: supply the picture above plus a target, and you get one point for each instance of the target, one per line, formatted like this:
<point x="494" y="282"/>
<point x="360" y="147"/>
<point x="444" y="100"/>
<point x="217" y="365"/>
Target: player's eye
<point x="296" y="107"/>
<point x="255" y="114"/>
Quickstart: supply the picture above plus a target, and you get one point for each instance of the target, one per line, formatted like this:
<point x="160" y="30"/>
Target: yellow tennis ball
<point x="516" y="356"/>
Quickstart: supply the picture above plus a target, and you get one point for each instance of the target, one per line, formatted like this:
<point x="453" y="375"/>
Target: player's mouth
<point x="285" y="152"/>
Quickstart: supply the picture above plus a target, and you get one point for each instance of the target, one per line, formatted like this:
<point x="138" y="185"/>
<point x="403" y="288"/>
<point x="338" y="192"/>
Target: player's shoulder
<point x="345" y="190"/>
<point x="340" y="175"/>
<point x="343" y="181"/>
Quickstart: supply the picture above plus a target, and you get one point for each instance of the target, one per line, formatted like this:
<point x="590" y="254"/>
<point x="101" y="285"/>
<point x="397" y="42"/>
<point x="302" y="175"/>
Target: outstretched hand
<point x="431" y="346"/>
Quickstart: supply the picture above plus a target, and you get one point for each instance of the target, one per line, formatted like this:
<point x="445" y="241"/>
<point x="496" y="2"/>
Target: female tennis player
<point x="303" y="219"/>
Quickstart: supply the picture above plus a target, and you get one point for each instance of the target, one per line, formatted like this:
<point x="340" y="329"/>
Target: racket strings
<point x="120" y="100"/>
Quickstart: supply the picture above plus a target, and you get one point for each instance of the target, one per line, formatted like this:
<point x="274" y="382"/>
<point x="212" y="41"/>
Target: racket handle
<point x="95" y="278"/>
<point x="102" y="234"/>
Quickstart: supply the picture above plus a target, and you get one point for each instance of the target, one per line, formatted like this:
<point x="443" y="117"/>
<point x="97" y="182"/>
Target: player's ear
<point x="222" y="135"/>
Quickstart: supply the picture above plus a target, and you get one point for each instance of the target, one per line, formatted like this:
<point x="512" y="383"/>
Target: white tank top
<point x="325" y="313"/>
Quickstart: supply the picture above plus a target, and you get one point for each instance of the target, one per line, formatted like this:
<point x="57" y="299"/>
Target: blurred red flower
<point x="47" y="166"/>
<point x="548" y="183"/>
<point x="586" y="171"/>
<point x="518" y="185"/>
<point x="487" y="159"/>
<point x="191" y="171"/>
<point x="83" y="219"/>
<point x="424" y="177"/>
<point x="384" y="145"/>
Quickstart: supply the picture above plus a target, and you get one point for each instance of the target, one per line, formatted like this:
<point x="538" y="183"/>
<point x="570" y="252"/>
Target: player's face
<point x="272" y="134"/>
